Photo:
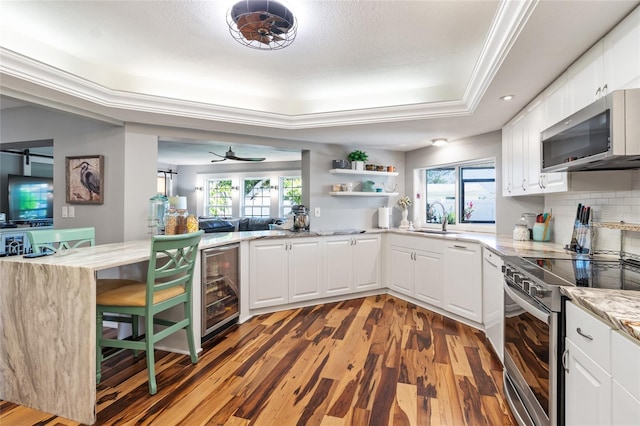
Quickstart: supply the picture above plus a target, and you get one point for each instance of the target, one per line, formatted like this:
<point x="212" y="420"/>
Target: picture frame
<point x="85" y="179"/>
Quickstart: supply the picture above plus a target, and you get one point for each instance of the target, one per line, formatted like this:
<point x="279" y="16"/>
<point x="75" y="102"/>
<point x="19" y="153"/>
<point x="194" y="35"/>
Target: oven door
<point x="530" y="366"/>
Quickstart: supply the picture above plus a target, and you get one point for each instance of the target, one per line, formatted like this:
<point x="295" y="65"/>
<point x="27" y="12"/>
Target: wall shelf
<point x="361" y="172"/>
<point x="363" y="194"/>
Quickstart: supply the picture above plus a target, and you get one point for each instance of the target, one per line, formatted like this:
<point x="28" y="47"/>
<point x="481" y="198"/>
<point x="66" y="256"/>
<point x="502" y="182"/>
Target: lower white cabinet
<point x="462" y="277"/>
<point x="352" y="264"/>
<point x="587" y="389"/>
<point x="493" y="300"/>
<point x="602" y="372"/>
<point x="415" y="267"/>
<point x="284" y="271"/>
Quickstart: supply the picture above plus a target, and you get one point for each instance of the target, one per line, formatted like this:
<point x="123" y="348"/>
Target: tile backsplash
<point x="611" y="206"/>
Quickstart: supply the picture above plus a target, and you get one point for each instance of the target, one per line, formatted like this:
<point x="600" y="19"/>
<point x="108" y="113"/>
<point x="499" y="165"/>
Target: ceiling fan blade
<point x="217" y="161"/>
<point x="221" y="156"/>
<point x="248" y="159"/>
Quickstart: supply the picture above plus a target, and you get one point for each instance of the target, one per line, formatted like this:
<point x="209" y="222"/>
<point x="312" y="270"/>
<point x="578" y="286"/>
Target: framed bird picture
<point x="85" y="179"/>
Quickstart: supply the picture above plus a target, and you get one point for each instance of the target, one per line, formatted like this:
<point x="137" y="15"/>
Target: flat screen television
<point x="30" y="198"/>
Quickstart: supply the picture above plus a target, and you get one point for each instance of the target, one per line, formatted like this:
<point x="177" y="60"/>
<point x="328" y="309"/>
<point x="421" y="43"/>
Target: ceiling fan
<point x="230" y="155"/>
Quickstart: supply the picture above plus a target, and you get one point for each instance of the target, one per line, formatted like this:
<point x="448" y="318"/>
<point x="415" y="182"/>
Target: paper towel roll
<point x="383" y="217"/>
<point x="182" y="203"/>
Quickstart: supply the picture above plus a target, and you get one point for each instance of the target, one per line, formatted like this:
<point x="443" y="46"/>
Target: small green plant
<point x="357" y="155"/>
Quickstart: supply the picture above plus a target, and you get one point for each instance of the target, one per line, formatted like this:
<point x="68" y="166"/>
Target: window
<point x="257" y="197"/>
<point x="466" y="193"/>
<point x="290" y="193"/>
<point x="218" y="200"/>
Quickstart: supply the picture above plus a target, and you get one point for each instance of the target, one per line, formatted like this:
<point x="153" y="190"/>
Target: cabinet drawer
<point x="625" y="363"/>
<point x="590" y="334"/>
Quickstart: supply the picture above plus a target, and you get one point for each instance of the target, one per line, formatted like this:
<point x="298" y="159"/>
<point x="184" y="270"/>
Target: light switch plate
<point x="72" y="211"/>
<point x="65" y="211"/>
<point x="317" y="212"/>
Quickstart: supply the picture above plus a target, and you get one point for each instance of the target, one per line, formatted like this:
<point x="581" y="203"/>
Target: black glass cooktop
<point x="586" y="272"/>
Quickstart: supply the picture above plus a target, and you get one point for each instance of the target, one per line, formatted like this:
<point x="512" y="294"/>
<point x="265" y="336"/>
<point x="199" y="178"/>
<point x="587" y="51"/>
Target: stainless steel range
<point x="534" y="324"/>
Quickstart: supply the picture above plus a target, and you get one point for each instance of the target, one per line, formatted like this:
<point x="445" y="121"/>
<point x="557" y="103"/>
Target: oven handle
<point x="526" y="305"/>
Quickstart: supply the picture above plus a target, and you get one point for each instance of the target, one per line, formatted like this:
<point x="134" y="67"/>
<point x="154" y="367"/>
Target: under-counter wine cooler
<point x="220" y="287"/>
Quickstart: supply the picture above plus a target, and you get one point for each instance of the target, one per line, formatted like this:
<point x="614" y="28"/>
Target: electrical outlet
<point x="72" y="211"/>
<point x="317" y="212"/>
<point x="65" y="211"/>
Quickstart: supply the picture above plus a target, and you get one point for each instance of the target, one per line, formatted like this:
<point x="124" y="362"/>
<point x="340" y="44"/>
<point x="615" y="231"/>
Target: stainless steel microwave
<point x="602" y="136"/>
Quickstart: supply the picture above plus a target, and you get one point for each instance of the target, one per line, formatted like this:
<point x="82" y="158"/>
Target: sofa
<point x="216" y="224"/>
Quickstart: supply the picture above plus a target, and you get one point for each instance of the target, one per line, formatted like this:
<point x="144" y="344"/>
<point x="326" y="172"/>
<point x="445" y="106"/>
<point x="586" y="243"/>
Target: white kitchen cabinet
<point x="352" y="264"/>
<point x="587" y="389"/>
<point x="622" y="54"/>
<point x="556" y="102"/>
<point x="462" y="278"/>
<point x="493" y="300"/>
<point x="415" y="267"/>
<point x="521" y="159"/>
<point x="284" y="271"/>
<point x="587" y="365"/>
<point x="586" y="78"/>
<point x="625" y="371"/>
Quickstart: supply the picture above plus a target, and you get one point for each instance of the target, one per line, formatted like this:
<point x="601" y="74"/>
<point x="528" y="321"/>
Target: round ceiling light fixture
<point x="262" y="24"/>
<point x="506" y="97"/>
<point x="439" y="142"/>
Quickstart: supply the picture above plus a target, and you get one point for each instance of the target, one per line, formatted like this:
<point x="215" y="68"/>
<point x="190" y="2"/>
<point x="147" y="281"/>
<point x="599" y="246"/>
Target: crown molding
<point x="82" y="95"/>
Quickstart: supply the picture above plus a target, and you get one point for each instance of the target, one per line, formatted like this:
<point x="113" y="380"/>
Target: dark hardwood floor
<point x="370" y="361"/>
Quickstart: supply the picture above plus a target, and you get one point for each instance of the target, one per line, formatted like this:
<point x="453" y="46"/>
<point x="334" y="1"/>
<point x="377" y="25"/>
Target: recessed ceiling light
<point x="439" y="142"/>
<point x="507" y="97"/>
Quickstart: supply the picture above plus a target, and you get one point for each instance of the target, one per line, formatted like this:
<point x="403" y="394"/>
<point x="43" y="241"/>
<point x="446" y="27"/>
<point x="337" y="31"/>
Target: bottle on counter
<point x="521" y="230"/>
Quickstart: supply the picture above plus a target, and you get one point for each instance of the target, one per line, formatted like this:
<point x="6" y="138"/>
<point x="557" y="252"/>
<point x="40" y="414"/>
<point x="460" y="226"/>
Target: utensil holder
<point x="541" y="232"/>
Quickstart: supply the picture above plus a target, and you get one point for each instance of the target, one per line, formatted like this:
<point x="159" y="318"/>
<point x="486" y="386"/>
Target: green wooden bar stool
<point x="54" y="240"/>
<point x="169" y="284"/>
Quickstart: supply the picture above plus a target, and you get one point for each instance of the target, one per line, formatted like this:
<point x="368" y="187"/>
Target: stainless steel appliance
<point x="534" y="324"/>
<point x="220" y="288"/>
<point x="602" y="136"/>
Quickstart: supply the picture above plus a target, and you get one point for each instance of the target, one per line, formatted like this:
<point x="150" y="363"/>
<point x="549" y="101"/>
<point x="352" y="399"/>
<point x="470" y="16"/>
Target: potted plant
<point x="357" y="159"/>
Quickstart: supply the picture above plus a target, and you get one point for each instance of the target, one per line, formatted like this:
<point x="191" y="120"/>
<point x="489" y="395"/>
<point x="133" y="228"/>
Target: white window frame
<point x="419" y="208"/>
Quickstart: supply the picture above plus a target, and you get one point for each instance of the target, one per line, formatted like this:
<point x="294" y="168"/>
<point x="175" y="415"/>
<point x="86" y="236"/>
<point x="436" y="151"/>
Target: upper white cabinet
<point x="622" y="54"/>
<point x="586" y="78"/>
<point x="612" y="63"/>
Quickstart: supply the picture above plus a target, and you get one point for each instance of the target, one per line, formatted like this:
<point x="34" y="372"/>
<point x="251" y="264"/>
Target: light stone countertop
<point x="618" y="308"/>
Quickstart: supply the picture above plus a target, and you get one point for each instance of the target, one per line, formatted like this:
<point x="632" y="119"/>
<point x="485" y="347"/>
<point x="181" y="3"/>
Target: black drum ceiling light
<point x="262" y="24"/>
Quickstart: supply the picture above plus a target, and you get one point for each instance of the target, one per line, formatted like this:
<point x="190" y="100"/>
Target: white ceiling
<point x="378" y="74"/>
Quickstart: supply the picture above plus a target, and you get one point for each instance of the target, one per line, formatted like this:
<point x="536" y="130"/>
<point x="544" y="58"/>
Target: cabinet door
<point x="533" y="128"/>
<point x="401" y="269"/>
<point x="428" y="277"/>
<point x="555" y="102"/>
<point x="366" y="263"/>
<point x="586" y="79"/>
<point x="625" y="409"/>
<point x="268" y="274"/>
<point x="518" y="160"/>
<point x="463" y="280"/>
<point x="339" y="266"/>
<point x="622" y="54"/>
<point x="493" y="300"/>
<point x="587" y="389"/>
<point x="305" y="269"/>
<point x="507" y="165"/>
<point x="555" y="182"/>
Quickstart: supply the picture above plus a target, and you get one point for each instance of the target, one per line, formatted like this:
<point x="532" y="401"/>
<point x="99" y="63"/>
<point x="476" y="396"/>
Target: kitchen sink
<point x="436" y="231"/>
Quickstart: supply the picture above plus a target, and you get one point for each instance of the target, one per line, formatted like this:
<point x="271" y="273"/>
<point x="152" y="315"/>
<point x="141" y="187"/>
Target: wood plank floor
<point x="370" y="361"/>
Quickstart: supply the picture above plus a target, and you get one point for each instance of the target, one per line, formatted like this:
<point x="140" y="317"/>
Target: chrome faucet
<point x="444" y="214"/>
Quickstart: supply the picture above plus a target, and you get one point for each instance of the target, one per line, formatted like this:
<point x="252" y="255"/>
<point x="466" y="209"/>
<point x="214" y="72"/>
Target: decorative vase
<point x="357" y="165"/>
<point x="404" y="224"/>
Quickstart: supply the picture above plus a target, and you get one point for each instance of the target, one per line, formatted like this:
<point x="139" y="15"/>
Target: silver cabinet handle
<point x="586" y="336"/>
<point x="605" y="89"/>
<point x="565" y="356"/>
<point x="598" y="93"/>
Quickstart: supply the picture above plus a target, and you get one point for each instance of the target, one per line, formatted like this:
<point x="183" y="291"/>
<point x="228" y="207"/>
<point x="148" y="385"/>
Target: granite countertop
<point x="618" y="308"/>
